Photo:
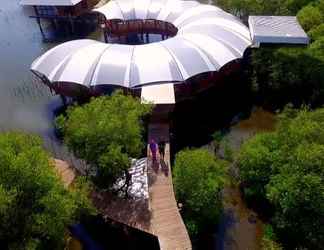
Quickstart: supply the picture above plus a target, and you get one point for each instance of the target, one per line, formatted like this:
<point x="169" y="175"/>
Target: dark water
<point x="240" y="227"/>
<point x="96" y="234"/>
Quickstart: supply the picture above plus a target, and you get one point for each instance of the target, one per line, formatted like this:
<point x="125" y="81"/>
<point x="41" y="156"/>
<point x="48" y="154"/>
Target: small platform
<point x="276" y="30"/>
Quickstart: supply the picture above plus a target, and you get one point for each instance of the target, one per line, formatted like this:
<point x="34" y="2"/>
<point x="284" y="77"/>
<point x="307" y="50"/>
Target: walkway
<point x="65" y="171"/>
<point x="166" y="221"/>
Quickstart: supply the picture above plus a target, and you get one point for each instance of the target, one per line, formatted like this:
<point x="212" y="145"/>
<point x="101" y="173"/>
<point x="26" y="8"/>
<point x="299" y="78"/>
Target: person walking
<point x="153" y="148"/>
<point x="161" y="149"/>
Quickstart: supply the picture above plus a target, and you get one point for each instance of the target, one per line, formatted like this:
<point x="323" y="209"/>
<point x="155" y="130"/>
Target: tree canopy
<point x="198" y="179"/>
<point x="245" y="8"/>
<point x="35" y="208"/>
<point x="106" y="132"/>
<point x="310" y="17"/>
<point x="286" y="167"/>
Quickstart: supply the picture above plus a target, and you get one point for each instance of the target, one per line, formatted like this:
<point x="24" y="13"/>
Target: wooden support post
<point x="39" y="22"/>
<point x="106" y="35"/>
<point x="64" y="100"/>
<point x="53" y="24"/>
<point x="71" y="24"/>
<point x="142" y="36"/>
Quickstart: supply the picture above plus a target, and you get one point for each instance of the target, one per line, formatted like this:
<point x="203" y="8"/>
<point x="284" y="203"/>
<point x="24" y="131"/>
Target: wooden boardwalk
<point x="166" y="221"/>
<point x="65" y="171"/>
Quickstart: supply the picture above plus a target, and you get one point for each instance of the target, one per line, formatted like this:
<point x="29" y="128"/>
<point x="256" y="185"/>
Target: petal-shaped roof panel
<point x="120" y="66"/>
<point x="81" y="65"/>
<point x="52" y="59"/>
<point x="153" y="63"/>
<point x="190" y="59"/>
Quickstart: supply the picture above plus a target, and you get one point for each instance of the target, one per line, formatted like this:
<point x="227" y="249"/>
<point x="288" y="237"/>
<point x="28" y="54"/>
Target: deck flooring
<point x="65" y="171"/>
<point x="166" y="221"/>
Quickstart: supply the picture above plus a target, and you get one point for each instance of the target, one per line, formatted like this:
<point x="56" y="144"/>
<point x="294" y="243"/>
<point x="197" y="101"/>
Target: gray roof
<point x="277" y="29"/>
<point x="207" y="39"/>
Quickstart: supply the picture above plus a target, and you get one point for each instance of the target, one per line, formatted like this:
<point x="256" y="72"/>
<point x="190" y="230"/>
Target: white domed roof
<point x="207" y="39"/>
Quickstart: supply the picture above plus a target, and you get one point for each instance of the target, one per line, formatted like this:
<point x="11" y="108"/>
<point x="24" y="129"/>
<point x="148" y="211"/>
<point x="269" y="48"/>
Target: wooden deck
<point x="65" y="171"/>
<point x="166" y="221"/>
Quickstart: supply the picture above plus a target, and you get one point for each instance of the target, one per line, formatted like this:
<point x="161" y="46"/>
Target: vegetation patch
<point x="285" y="167"/>
<point x="35" y="208"/>
<point x="199" y="178"/>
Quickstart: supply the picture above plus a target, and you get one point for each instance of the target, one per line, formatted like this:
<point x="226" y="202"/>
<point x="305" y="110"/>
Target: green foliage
<point x="106" y="132"/>
<point x="198" y="179"/>
<point x="112" y="165"/>
<point x="269" y="239"/>
<point x="317" y="32"/>
<point x="286" y="167"/>
<point x="268" y="232"/>
<point x="268" y="244"/>
<point x="295" y="5"/>
<point x="228" y="152"/>
<point x="289" y="74"/>
<point x="35" y="208"/>
<point x="310" y="17"/>
<point x="254" y="160"/>
<point x="217" y="138"/>
<point x="245" y="8"/>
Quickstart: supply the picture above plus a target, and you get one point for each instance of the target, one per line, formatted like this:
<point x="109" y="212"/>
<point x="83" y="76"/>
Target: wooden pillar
<point x="71" y="24"/>
<point x="142" y="36"/>
<point x="106" y="35"/>
<point x="64" y="100"/>
<point x="39" y="22"/>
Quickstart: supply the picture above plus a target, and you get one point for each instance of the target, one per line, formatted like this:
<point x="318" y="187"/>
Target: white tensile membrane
<point x="207" y="39"/>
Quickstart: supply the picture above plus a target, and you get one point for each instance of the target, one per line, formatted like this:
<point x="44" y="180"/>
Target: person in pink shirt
<point x="154" y="149"/>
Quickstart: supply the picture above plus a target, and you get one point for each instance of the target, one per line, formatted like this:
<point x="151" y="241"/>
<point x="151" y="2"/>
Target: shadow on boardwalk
<point x="132" y="212"/>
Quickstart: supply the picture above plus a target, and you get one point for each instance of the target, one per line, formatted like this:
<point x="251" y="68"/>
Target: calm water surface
<point x="23" y="104"/>
<point x="240" y="228"/>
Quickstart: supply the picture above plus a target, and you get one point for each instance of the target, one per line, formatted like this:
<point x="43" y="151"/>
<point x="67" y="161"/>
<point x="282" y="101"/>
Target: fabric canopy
<point x="207" y="39"/>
